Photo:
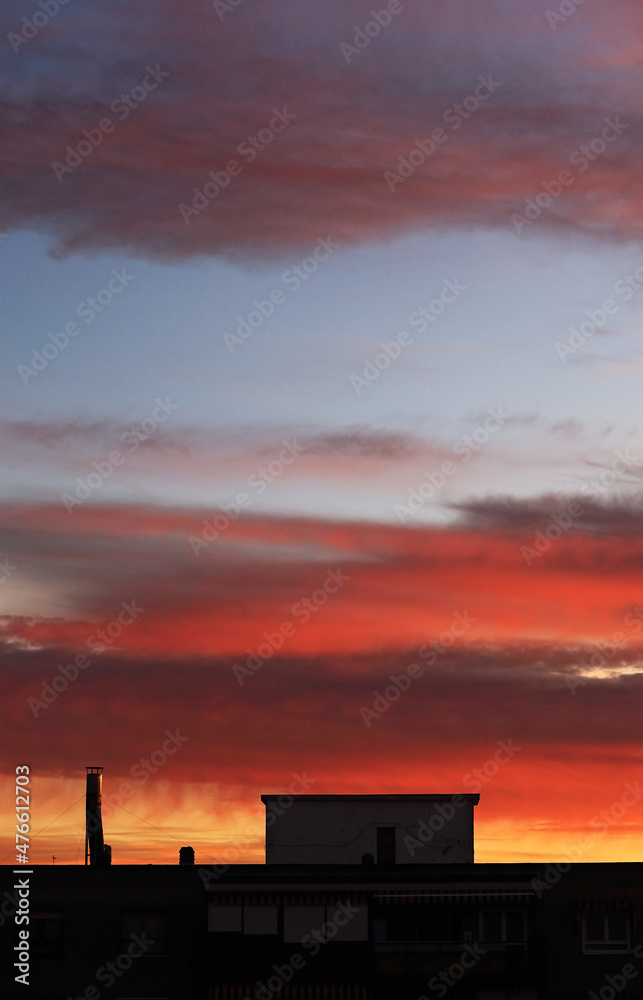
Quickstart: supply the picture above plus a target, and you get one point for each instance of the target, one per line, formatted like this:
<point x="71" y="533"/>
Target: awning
<point x="626" y="995"/>
<point x="456" y="896"/>
<point x="294" y="991"/>
<point x="609" y="904"/>
<point x="294" y="898"/>
<point x="289" y="898"/>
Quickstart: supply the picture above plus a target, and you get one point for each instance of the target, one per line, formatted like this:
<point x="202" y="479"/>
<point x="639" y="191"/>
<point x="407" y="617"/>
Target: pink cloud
<point x="324" y="172"/>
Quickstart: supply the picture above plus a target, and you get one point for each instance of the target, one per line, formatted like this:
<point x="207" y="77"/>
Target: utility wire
<point x="166" y="833"/>
<point x="34" y="835"/>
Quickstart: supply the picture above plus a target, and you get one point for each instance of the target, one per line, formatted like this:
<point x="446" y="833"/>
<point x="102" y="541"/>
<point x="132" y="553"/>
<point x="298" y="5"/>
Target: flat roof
<point x="374" y="877"/>
<point x="441" y="797"/>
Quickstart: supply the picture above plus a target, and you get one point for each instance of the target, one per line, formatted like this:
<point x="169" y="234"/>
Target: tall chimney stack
<point x="97" y="853"/>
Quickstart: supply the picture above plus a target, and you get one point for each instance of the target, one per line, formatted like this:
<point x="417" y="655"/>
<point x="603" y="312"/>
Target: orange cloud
<point x="212" y="586"/>
<point x="527" y="669"/>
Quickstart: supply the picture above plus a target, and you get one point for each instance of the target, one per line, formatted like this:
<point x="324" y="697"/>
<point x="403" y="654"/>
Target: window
<point x="47" y="933"/>
<point x="503" y="927"/>
<point x="224" y="919"/>
<point x="605" y="932"/>
<point x="401" y="924"/>
<point x="301" y="920"/>
<point x="260" y="920"/>
<point x="417" y="923"/>
<point x="151" y="926"/>
<point x="386" y="845"/>
<point x="333" y="922"/>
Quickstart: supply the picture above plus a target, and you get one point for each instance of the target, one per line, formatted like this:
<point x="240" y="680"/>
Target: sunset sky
<point x="321" y="345"/>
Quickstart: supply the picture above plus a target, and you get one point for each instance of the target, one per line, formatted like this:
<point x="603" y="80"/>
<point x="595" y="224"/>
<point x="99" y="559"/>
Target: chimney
<point x="97" y="853"/>
<point x="186" y="856"/>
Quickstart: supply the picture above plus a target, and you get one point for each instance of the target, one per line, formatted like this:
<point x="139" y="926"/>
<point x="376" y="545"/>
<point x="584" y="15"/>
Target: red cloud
<point x="522" y="672"/>
<point x="353" y="122"/>
<point x="213" y="586"/>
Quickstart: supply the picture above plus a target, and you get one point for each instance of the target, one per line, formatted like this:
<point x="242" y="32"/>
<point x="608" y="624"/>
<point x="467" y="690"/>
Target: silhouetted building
<point x="395" y="829"/>
<point x="362" y="898"/>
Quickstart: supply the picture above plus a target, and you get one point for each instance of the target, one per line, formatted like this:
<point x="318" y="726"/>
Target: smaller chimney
<point x="186" y="856"/>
